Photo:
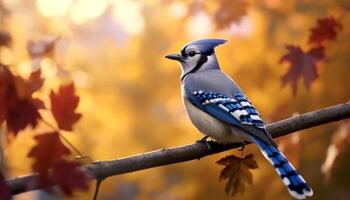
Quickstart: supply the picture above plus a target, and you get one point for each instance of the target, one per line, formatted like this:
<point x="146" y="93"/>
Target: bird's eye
<point x="192" y="53"/>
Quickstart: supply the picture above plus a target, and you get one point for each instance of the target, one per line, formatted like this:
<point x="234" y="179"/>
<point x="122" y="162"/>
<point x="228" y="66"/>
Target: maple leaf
<point x="326" y="30"/>
<point x="301" y="64"/>
<point x="63" y="105"/>
<point x="237" y="171"/>
<point x="48" y="150"/>
<point x="19" y="108"/>
<point x="48" y="156"/>
<point x="5" y="193"/>
<point x="25" y="88"/>
<point x="23" y="113"/>
<point x="229" y="11"/>
<point x="69" y="177"/>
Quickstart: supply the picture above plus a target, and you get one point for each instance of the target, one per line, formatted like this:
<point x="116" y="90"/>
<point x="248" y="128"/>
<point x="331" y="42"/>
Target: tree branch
<point x="103" y="169"/>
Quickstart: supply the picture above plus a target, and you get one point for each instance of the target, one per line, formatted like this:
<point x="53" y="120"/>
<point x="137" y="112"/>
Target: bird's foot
<point x="204" y="140"/>
<point x="242" y="146"/>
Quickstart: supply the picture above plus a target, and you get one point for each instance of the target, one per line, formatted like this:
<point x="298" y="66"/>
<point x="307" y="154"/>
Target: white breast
<point x="213" y="127"/>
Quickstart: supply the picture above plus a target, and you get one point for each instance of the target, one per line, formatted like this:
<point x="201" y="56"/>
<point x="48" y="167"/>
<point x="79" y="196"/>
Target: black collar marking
<point x="202" y="59"/>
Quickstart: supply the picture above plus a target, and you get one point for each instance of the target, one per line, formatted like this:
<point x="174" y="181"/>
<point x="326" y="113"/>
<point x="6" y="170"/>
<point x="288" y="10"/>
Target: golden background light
<point x="130" y="96"/>
<point x="53" y="8"/>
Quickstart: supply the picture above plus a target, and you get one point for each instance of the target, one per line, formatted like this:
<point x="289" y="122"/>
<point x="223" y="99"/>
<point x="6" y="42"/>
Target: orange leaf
<point x="237" y="171"/>
<point x="301" y="65"/>
<point x="48" y="150"/>
<point x="63" y="105"/>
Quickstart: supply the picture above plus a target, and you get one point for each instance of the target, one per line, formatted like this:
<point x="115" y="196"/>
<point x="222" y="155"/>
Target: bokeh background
<point x="130" y="94"/>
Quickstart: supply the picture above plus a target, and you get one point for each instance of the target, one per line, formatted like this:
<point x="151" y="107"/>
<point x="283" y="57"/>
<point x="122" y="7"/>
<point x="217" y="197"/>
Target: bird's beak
<point x="175" y="56"/>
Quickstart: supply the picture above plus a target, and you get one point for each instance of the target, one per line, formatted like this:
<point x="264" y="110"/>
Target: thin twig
<point x="97" y="189"/>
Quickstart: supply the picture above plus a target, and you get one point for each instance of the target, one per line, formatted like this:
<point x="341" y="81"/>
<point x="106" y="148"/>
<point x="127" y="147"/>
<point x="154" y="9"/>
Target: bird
<point x="218" y="108"/>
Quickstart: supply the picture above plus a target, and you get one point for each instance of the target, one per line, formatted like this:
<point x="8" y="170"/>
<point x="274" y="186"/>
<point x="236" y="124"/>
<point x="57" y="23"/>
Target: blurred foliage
<point x="130" y="95"/>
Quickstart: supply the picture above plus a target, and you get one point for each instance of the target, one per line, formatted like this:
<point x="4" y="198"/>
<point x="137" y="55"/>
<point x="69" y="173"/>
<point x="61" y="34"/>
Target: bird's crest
<point x="206" y="45"/>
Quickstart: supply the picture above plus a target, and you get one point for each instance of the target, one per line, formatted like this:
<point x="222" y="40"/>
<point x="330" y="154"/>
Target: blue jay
<point x="218" y="108"/>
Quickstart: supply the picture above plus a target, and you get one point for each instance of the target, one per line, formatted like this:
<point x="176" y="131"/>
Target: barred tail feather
<point x="295" y="184"/>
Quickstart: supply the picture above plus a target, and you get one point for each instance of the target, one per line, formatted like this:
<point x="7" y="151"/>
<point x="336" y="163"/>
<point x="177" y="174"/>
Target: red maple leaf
<point x="23" y="113"/>
<point x="68" y="176"/>
<point x="326" y="30"/>
<point x="18" y="107"/>
<point x="301" y="64"/>
<point x="63" y="105"/>
<point x="48" y="155"/>
<point x="5" y="192"/>
<point x="48" y="150"/>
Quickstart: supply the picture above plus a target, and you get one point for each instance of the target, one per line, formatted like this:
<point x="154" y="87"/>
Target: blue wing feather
<point x="237" y="111"/>
<point x="223" y="116"/>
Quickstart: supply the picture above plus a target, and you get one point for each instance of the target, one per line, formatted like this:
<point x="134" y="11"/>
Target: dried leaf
<point x="5" y="192"/>
<point x="237" y="171"/>
<point x="326" y="30"/>
<point x="63" y="106"/>
<point x="301" y="65"/>
<point x="69" y="177"/>
<point x="48" y="150"/>
<point x="340" y="143"/>
<point x="229" y="11"/>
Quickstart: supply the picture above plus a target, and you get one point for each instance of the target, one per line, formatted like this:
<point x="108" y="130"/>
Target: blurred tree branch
<point x="103" y="169"/>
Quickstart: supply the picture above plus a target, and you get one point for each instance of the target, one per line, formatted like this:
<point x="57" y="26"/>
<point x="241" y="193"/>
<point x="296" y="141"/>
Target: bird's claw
<point x="242" y="146"/>
<point x="205" y="141"/>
